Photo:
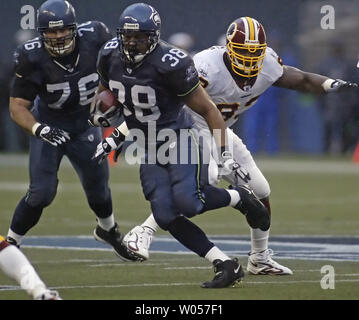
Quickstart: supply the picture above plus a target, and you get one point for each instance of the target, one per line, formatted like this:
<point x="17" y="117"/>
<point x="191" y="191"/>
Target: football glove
<point x="103" y="119"/>
<point x="337" y="85"/>
<point x="228" y="166"/>
<point x="52" y="135"/>
<point x="114" y="142"/>
<point x="241" y="173"/>
<point x="226" y="162"/>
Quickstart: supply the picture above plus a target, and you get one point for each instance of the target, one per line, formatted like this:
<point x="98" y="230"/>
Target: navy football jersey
<point x="154" y="90"/>
<point x="62" y="88"/>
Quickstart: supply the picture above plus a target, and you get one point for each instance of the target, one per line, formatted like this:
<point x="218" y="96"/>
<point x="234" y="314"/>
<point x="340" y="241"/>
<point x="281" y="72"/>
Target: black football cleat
<point x="254" y="210"/>
<point x="114" y="238"/>
<point x="227" y="273"/>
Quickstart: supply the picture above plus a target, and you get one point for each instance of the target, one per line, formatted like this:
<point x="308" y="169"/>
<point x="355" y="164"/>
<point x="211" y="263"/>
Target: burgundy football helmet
<point x="246" y="46"/>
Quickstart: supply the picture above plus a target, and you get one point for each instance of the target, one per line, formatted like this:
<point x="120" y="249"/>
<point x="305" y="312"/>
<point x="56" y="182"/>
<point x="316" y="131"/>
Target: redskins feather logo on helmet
<point x="246" y="46"/>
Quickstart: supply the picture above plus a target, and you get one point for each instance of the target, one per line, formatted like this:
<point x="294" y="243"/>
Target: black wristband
<point x="118" y="136"/>
<point x="223" y="149"/>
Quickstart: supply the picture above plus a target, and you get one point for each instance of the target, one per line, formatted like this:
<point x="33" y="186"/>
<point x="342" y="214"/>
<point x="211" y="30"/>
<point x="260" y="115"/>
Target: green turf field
<point x="310" y="196"/>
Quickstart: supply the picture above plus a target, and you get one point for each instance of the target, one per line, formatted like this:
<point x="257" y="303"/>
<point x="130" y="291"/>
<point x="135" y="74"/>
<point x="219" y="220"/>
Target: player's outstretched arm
<point x="299" y="80"/>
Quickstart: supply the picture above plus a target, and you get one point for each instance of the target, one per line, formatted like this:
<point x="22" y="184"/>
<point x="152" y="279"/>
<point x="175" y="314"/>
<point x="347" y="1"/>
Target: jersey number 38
<point x="153" y="112"/>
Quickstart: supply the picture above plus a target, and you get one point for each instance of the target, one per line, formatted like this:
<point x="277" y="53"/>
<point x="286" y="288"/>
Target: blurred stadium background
<point x="304" y="144"/>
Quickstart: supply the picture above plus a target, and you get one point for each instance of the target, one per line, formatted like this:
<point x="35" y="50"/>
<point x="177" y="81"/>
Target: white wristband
<point x="327" y="84"/>
<point x="34" y="128"/>
<point x="123" y="129"/>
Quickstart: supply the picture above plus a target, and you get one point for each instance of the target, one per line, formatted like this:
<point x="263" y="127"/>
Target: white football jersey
<point x="222" y="88"/>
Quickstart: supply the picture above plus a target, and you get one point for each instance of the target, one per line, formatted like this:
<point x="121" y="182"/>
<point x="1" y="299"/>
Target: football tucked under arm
<point x="104" y="110"/>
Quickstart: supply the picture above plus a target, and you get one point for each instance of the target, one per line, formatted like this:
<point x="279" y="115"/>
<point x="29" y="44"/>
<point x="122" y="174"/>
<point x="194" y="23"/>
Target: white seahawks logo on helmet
<point x="132" y="18"/>
<point x="156" y="19"/>
<point x="155" y="16"/>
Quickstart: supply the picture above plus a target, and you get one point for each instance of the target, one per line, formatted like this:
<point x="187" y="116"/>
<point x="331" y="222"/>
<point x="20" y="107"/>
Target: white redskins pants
<point x="241" y="155"/>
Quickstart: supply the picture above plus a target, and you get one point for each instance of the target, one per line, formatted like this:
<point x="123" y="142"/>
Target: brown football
<point x="107" y="100"/>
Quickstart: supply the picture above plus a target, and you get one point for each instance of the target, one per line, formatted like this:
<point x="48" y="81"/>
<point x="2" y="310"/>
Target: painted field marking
<point x="331" y="248"/>
<point x="174" y="284"/>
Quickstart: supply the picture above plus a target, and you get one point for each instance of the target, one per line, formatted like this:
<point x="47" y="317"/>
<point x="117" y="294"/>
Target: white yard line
<point x="175" y="284"/>
<point x="127" y="265"/>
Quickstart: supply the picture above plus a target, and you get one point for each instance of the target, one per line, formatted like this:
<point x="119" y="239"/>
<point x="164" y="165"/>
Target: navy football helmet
<point x="57" y="15"/>
<point x="138" y="32"/>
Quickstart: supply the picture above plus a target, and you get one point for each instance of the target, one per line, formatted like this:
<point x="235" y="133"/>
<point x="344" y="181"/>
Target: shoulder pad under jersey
<point x="94" y="31"/>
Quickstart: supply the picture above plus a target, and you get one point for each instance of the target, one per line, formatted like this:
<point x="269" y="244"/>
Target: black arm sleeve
<point x="21" y="88"/>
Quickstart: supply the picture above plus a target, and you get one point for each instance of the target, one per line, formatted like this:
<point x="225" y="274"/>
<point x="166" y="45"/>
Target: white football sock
<point x="106" y="223"/>
<point x="16" y="266"/>
<point x="215" y="254"/>
<point x="150" y="223"/>
<point x="259" y="240"/>
<point x="235" y="197"/>
<point x="17" y="237"/>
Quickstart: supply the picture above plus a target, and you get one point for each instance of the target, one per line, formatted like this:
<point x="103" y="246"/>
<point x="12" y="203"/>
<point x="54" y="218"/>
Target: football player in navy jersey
<point x="56" y="73"/>
<point x="152" y="80"/>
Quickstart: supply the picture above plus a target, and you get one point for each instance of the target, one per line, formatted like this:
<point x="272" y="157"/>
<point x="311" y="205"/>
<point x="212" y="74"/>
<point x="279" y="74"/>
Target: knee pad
<point x="163" y="222"/>
<point x="42" y="196"/>
<point x="188" y="204"/>
<point x="259" y="184"/>
<point x="99" y="196"/>
<point x="164" y="210"/>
